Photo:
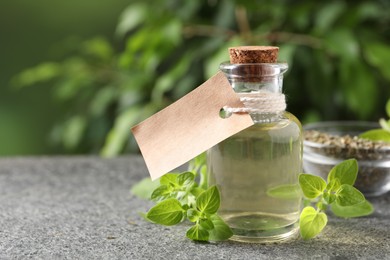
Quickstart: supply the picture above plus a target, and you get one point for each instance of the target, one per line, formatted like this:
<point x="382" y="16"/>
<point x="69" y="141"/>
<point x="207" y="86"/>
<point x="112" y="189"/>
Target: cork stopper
<point x="253" y="54"/>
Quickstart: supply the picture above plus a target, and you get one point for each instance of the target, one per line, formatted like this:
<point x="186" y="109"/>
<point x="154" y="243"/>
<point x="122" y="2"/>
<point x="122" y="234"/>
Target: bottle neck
<point x="255" y="77"/>
<point x="259" y="86"/>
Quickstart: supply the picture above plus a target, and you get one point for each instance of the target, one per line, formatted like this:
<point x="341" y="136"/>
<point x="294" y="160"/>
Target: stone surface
<point x="81" y="208"/>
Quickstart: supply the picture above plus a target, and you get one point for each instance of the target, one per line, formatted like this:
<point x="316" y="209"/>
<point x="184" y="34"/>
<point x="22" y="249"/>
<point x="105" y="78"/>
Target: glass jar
<point x="256" y="170"/>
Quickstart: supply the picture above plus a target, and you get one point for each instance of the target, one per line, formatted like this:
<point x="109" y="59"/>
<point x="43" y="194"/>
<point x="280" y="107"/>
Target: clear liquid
<point x="246" y="166"/>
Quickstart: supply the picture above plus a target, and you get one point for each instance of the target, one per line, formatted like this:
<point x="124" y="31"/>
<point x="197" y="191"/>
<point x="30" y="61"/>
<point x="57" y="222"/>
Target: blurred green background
<point x="76" y="75"/>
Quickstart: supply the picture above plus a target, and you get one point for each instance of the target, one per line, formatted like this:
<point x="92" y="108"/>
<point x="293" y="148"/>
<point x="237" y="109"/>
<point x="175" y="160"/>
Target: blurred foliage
<point x="338" y="54"/>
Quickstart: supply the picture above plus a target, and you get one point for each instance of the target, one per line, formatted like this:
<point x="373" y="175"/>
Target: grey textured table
<point x="81" y="208"/>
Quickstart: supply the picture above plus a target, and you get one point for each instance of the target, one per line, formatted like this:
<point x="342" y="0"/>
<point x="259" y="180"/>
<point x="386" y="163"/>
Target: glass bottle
<point x="256" y="170"/>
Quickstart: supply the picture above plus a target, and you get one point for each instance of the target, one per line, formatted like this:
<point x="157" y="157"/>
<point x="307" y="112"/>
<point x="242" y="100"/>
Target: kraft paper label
<point x="189" y="126"/>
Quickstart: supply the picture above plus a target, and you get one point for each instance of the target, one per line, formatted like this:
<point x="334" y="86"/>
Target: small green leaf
<point x="169" y="179"/>
<point x="73" y="131"/>
<point x="185" y="178"/>
<point x="348" y="195"/>
<point x="388" y="108"/>
<point x="333" y="185"/>
<point x="345" y="172"/>
<point x="144" y="188"/>
<point x="358" y="210"/>
<point x="311" y="222"/>
<point x="160" y="193"/>
<point x="376" y="135"/>
<point x="287" y="191"/>
<point x="312" y="186"/>
<point x="208" y="201"/>
<point x="206" y="224"/>
<point x="198" y="233"/>
<point x="221" y="231"/>
<point x="168" y="212"/>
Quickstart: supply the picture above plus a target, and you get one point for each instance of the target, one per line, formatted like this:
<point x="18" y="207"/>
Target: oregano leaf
<point x="208" y="201"/>
<point x="185" y="178"/>
<point x="311" y="222"/>
<point x="345" y="172"/>
<point x="221" y="230"/>
<point x="168" y="212"/>
<point x="312" y="186"/>
<point x="198" y="233"/>
<point x="169" y="179"/>
<point x="376" y="135"/>
<point x="206" y="224"/>
<point x="358" y="210"/>
<point x="348" y="195"/>
<point x="160" y="193"/>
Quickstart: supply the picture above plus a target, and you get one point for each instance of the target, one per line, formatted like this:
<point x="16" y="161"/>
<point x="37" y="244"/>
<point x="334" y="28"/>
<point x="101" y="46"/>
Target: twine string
<point x="259" y="102"/>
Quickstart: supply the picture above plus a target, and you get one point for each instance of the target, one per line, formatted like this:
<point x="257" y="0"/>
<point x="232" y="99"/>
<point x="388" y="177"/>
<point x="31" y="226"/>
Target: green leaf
<point x="327" y="16"/>
<point x="342" y="42"/>
<point x="119" y="134"/>
<point x="388" y="108"/>
<point x="358" y="210"/>
<point x="198" y="233"/>
<point x="376" y="135"/>
<point x="206" y="224"/>
<point x="169" y="179"/>
<point x="102" y="100"/>
<point x="345" y="172"/>
<point x="144" y="188"/>
<point x="168" y="212"/>
<point x="131" y="17"/>
<point x="333" y="185"/>
<point x="160" y="192"/>
<point x="221" y="231"/>
<point x="98" y="47"/>
<point x="74" y="131"/>
<point x="40" y="73"/>
<point x="378" y="55"/>
<point x="311" y="222"/>
<point x="312" y="186"/>
<point x="185" y="179"/>
<point x="209" y="200"/>
<point x="287" y="191"/>
<point x="348" y="195"/>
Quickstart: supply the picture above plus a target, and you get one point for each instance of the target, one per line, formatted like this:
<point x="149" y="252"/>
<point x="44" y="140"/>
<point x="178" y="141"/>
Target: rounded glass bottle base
<point x="262" y="228"/>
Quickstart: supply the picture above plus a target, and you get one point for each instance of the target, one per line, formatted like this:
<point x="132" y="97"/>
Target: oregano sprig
<point x="179" y="197"/>
<point x="338" y="193"/>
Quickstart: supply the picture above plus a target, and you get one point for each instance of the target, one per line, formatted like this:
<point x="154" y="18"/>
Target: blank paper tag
<point x="189" y="126"/>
